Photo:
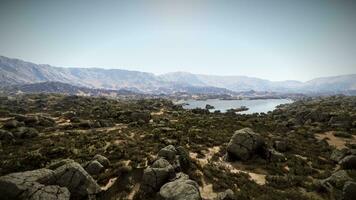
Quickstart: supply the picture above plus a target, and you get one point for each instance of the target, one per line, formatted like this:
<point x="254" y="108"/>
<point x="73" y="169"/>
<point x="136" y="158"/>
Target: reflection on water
<point x="254" y="106"/>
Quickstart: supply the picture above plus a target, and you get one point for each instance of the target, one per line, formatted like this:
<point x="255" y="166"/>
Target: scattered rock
<point x="244" y="144"/>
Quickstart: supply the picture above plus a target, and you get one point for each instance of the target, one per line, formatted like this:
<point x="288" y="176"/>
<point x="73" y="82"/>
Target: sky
<point x="275" y="40"/>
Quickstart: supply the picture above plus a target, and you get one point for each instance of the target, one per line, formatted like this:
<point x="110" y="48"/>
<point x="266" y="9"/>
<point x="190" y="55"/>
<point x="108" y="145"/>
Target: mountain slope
<point x="15" y="71"/>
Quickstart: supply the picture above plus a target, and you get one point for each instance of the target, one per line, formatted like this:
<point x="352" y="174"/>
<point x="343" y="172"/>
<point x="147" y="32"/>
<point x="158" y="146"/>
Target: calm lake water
<point x="254" y="106"/>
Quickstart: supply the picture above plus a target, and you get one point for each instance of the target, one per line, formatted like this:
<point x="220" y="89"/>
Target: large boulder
<point x="30" y="185"/>
<point x="169" y="152"/>
<point x="348" y="162"/>
<point x="72" y="176"/>
<point x="154" y="178"/>
<point x="50" y="192"/>
<point x="160" y="163"/>
<point x="244" y="144"/>
<point x="180" y="189"/>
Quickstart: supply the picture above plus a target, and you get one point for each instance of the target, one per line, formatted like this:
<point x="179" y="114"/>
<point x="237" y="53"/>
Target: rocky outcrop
<point x="244" y="144"/>
<point x="76" y="179"/>
<point x="31" y="185"/>
<point x="163" y="171"/>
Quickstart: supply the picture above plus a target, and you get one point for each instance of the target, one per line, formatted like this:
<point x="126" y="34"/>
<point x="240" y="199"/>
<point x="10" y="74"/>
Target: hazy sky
<point x="276" y="40"/>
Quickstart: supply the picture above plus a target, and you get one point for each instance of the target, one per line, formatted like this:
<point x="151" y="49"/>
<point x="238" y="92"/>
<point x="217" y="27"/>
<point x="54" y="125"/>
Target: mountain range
<point x="19" y="72"/>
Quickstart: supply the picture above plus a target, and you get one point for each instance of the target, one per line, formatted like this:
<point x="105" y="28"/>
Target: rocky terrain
<point x="74" y="147"/>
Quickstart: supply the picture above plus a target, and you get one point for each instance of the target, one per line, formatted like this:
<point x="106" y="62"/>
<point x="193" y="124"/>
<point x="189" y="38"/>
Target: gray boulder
<point x="50" y="192"/>
<point x="30" y="185"/>
<point x="180" y="189"/>
<point x="94" y="167"/>
<point x="244" y="144"/>
<point x="169" y="152"/>
<point x="160" y="163"/>
<point x="154" y="178"/>
<point x="76" y="179"/>
<point x="348" y="162"/>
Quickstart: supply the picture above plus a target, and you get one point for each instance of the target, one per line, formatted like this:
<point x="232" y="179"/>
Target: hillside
<point x="14" y="72"/>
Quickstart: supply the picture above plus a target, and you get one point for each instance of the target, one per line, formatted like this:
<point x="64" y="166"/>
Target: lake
<point x="254" y="106"/>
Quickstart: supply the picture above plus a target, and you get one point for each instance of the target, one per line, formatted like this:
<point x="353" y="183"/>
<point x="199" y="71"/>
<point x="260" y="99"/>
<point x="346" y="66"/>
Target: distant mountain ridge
<point x="15" y="72"/>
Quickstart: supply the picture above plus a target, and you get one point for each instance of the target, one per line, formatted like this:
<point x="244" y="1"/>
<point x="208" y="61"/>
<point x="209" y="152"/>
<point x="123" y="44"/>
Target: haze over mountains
<point x="18" y="72"/>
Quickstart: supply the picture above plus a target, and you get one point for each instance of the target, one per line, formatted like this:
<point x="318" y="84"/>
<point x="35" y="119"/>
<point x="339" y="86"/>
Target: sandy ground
<point x="337" y="142"/>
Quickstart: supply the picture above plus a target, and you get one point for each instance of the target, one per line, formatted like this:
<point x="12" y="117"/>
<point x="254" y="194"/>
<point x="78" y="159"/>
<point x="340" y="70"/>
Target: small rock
<point x="102" y="160"/>
<point x="94" y="167"/>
